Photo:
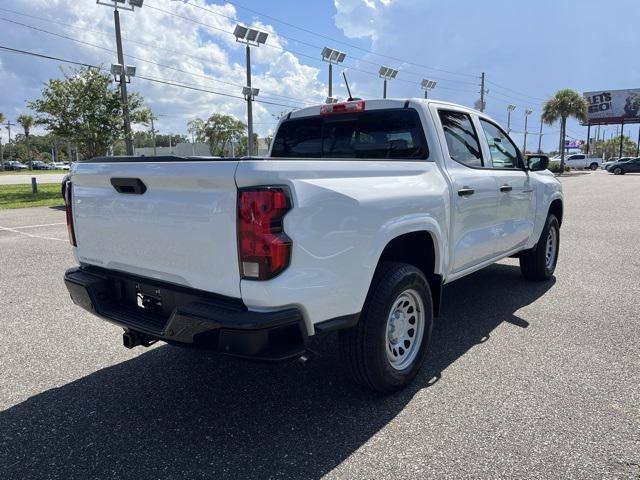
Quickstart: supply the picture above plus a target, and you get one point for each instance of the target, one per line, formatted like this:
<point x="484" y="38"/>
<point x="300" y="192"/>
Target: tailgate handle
<point x="132" y="186"/>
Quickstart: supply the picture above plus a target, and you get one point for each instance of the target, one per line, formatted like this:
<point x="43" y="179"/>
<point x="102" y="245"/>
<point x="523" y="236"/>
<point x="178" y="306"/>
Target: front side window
<point x="461" y="137"/>
<point x="504" y="154"/>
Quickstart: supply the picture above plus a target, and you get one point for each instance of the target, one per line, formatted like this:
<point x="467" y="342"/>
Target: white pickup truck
<point x="361" y="214"/>
<point x="580" y="161"/>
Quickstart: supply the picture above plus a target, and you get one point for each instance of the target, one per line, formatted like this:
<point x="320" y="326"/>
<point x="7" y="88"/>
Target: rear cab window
<point x="394" y="134"/>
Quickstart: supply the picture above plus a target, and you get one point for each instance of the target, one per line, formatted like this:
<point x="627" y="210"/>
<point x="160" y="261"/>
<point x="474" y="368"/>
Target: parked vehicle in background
<point x="612" y="160"/>
<point x="61" y="166"/>
<point x="40" y="165"/>
<point x="15" y="165"/>
<point x="629" y="165"/>
<point x="580" y="161"/>
<point x="360" y="215"/>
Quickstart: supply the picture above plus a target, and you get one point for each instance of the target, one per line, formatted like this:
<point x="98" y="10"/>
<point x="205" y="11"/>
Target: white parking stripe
<point x="38" y="226"/>
<point x="7" y="229"/>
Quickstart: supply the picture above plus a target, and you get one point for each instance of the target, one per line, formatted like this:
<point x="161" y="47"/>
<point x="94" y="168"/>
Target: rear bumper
<point x="187" y="316"/>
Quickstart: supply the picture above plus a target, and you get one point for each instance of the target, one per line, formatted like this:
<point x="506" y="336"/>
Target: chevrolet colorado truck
<point x="356" y="220"/>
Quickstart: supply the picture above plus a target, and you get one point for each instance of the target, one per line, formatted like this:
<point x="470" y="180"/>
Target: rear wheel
<point x="385" y="350"/>
<point x="540" y="262"/>
<point x="593" y="166"/>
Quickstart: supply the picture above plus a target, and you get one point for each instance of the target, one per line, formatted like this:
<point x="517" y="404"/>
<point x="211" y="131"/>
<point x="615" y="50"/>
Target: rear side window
<point x="388" y="134"/>
<point x="462" y="140"/>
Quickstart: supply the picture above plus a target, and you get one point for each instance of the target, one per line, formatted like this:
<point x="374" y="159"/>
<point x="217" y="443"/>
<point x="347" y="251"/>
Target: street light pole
<point x="249" y="36"/>
<point x="332" y="56"/>
<point x="153" y="134"/>
<point x="387" y="73"/>
<point x="427" y="85"/>
<point x="123" y="85"/>
<point x="249" y="106"/>
<point x="527" y="112"/>
<point x="510" y="108"/>
<point x="540" y="137"/>
<point x="9" y="125"/>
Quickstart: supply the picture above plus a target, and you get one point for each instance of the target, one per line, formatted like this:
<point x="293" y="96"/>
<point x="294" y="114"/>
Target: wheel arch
<point x="419" y="248"/>
<point x="557" y="208"/>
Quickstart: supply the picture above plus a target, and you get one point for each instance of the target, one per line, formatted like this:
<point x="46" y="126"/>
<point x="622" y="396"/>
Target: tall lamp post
<point x="249" y="36"/>
<point x="428" y="85"/>
<point x="388" y="74"/>
<point x="510" y="108"/>
<point x="527" y="112"/>
<point x="332" y="57"/>
<point x="118" y="5"/>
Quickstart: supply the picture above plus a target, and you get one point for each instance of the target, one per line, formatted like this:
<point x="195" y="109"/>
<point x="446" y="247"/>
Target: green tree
<point x="218" y="131"/>
<point x="242" y="147"/>
<point x="564" y="104"/>
<point x="85" y="108"/>
<point x="27" y="121"/>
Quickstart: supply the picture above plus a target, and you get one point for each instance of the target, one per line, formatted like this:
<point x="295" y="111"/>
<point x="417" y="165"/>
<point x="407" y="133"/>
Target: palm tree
<point x="2" y="119"/>
<point x="27" y="122"/>
<point x="564" y="104"/>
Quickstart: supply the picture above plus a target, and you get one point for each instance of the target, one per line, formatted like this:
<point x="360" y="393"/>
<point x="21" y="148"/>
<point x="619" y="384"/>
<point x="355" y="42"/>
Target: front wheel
<point x="617" y="171"/>
<point x="385" y="350"/>
<point x="539" y="263"/>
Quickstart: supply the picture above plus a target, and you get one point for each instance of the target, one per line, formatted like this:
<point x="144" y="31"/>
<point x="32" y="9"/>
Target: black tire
<point x="593" y="166"/>
<point x="618" y="171"/>
<point x="364" y="347"/>
<point x="533" y="263"/>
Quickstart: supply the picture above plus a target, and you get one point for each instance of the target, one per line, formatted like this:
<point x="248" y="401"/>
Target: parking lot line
<point x="38" y="226"/>
<point x="7" y="229"/>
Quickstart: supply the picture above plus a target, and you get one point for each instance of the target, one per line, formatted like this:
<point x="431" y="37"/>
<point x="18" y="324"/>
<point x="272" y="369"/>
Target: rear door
<point x="173" y="221"/>
<point x="475" y="191"/>
<point x="516" y="205"/>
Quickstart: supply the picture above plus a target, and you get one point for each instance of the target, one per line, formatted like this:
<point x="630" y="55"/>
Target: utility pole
<point x="638" y="147"/>
<point x="621" y="138"/>
<point x="482" y="92"/>
<point x="9" y="125"/>
<point x="540" y="137"/>
<point x="153" y="134"/>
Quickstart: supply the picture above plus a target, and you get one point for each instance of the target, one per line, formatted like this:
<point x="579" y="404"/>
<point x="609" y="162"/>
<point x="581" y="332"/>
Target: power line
<point x="144" y="60"/>
<point x="326" y="37"/>
<point x="318" y="47"/>
<point x="151" y="79"/>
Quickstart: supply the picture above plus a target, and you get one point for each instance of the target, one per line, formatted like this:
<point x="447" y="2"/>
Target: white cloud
<point x="202" y="54"/>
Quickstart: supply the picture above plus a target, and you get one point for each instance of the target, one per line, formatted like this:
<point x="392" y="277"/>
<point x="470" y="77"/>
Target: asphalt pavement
<point x="523" y="380"/>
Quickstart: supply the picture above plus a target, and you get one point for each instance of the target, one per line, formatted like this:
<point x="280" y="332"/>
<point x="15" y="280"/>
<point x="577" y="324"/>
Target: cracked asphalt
<point x="523" y="380"/>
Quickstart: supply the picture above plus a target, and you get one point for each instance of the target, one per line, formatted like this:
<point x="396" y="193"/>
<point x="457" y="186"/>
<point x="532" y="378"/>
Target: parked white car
<point x="364" y="211"/>
<point x="61" y="166"/>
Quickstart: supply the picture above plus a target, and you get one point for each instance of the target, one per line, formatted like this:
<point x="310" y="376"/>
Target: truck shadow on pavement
<point x="178" y="413"/>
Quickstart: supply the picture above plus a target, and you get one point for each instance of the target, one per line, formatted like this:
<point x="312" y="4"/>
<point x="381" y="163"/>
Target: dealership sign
<point x="613" y="106"/>
<point x="573" y="144"/>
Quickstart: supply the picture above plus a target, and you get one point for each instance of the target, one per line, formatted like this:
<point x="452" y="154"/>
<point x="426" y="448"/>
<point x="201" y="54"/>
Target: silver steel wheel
<point x="405" y="329"/>
<point x="552" y="247"/>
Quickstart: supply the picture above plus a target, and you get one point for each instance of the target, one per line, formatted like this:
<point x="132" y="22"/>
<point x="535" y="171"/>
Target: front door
<point x="475" y="192"/>
<point x="516" y="202"/>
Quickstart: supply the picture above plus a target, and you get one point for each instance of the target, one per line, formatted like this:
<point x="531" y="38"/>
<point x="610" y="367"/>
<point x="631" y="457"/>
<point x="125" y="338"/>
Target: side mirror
<point x="537" y="163"/>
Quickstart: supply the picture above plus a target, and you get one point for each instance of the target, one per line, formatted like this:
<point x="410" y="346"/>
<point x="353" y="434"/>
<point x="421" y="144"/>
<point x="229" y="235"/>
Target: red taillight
<point x="346" y="107"/>
<point x="264" y="248"/>
<point x="68" y="206"/>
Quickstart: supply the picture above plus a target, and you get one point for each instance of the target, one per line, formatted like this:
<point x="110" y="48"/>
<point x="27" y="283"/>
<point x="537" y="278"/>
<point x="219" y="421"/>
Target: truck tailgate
<point x="182" y="229"/>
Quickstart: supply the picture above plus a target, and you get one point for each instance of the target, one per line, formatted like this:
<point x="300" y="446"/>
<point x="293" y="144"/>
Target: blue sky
<point x="528" y="50"/>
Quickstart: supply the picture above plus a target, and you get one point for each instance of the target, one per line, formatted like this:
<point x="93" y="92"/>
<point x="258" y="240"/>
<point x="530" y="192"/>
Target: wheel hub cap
<point x="405" y="329"/>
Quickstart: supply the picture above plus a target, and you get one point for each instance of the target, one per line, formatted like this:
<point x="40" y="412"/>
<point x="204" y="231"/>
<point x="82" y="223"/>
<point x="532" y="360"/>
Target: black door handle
<point x="133" y="186"/>
<point x="466" y="191"/>
<point x="506" y="188"/>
